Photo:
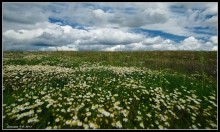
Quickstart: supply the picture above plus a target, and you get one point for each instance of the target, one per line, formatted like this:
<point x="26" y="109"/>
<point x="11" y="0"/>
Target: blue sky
<point x="110" y="26"/>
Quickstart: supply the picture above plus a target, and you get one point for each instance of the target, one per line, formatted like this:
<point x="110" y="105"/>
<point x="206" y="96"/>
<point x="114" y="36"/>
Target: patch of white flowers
<point x="55" y="97"/>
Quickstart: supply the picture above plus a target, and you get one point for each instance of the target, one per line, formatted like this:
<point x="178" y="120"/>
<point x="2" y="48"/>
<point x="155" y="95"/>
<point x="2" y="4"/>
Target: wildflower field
<point x="110" y="90"/>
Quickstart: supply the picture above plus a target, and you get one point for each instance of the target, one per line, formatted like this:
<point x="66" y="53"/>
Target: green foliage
<point x="110" y="90"/>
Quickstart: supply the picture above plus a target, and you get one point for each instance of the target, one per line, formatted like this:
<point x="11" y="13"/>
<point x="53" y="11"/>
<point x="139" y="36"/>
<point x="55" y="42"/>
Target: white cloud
<point x="67" y="29"/>
<point x="211" y="8"/>
<point x="58" y="37"/>
<point x="100" y="14"/>
<point x="153" y="40"/>
<point x="190" y="43"/>
<point x="214" y="39"/>
<point x="210" y="22"/>
<point x="194" y="15"/>
<point x="24" y="17"/>
<point x="22" y="34"/>
<point x="114" y="36"/>
<point x="215" y="48"/>
<point x="64" y="35"/>
<point x="66" y="48"/>
<point x="24" y="13"/>
<point x="107" y="25"/>
<point x="115" y="48"/>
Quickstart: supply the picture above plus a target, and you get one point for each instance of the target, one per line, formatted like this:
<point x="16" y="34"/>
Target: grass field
<point x="110" y="90"/>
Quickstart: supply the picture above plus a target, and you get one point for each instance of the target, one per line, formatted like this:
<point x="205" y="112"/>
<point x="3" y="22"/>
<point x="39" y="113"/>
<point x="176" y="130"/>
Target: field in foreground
<point x="110" y="90"/>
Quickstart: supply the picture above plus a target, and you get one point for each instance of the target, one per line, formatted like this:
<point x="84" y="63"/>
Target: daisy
<point x="79" y="123"/>
<point x="49" y="127"/>
<point x="86" y="126"/>
<point x="142" y="124"/>
<point x="68" y="122"/>
<point x="125" y="119"/>
<point x="118" y="124"/>
<point x="88" y="113"/>
<point x="57" y="120"/>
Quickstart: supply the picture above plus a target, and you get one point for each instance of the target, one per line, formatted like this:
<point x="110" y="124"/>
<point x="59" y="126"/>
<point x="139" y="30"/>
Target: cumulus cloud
<point x="63" y="35"/>
<point x="214" y="39"/>
<point x="58" y="37"/>
<point x="21" y="15"/>
<point x="108" y="26"/>
<point x="153" y="40"/>
<point x="22" y="34"/>
<point x="215" y="48"/>
<point x="190" y="43"/>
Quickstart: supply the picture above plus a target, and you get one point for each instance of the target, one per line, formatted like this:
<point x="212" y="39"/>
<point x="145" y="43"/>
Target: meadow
<point x="110" y="90"/>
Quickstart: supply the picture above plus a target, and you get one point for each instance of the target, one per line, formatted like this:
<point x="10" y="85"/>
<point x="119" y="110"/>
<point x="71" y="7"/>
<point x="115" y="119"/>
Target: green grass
<point x="110" y="90"/>
<point x="179" y="61"/>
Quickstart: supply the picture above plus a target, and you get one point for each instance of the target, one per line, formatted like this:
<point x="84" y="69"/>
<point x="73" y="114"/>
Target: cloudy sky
<point x="110" y="26"/>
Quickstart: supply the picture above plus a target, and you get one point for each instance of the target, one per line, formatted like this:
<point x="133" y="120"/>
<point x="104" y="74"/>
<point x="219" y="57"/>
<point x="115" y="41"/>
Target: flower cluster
<point x="105" y="97"/>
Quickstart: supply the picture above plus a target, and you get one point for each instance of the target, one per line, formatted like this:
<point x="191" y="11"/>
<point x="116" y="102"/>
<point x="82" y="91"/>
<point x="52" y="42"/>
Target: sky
<point x="103" y="26"/>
